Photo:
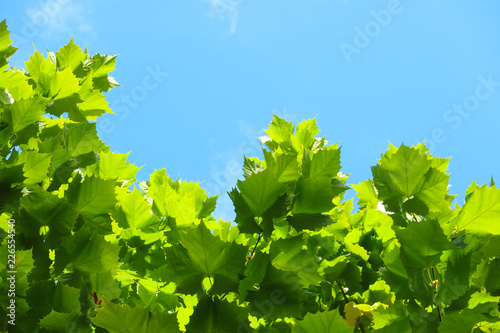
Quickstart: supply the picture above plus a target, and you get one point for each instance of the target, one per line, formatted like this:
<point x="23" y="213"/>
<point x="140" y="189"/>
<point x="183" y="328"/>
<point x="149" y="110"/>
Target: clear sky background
<point x="201" y="79"/>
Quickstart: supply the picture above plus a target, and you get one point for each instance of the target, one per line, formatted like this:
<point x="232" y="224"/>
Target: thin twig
<point x="342" y="291"/>
<point x="435" y="291"/>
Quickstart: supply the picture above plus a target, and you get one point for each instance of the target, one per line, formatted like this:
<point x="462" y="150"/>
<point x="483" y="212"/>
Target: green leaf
<point x="278" y="295"/>
<point x="313" y="196"/>
<point x="66" y="298"/>
<point x="288" y="255"/>
<point x="24" y="264"/>
<point x="114" y="166"/>
<point x="286" y="168"/>
<point x="433" y="189"/>
<point x="483" y="301"/>
<point x="102" y="64"/>
<point x="70" y="56"/>
<point x="6" y="49"/>
<point x="456" y="277"/>
<point x="16" y="83"/>
<point x="458" y="322"/>
<point x="119" y="319"/>
<point x="325" y="163"/>
<point x="96" y="196"/>
<point x="309" y="221"/>
<point x="304" y="136"/>
<point x="379" y="292"/>
<point x="423" y="243"/>
<point x="137" y="213"/>
<point x="324" y="322"/>
<point x="182" y="202"/>
<point x="105" y="285"/>
<point x="260" y="191"/>
<point x="69" y="105"/>
<point x="251" y="166"/>
<point x="365" y="193"/>
<point x="488" y="274"/>
<point x="35" y="167"/>
<point x="280" y="129"/>
<point x="93" y="103"/>
<point x="58" y="321"/>
<point x="25" y="112"/>
<point x="42" y="71"/>
<point x="481" y="213"/>
<point x="385" y="317"/>
<point x="208" y="206"/>
<point x="244" y="216"/>
<point x="401" y="170"/>
<point x="63" y="84"/>
<point x="83" y="139"/>
<point x="45" y="209"/>
<point x="97" y="255"/>
<point x="214" y="315"/>
<point x="201" y="255"/>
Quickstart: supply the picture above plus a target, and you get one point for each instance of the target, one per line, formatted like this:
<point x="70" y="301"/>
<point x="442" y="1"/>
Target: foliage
<point x="96" y="253"/>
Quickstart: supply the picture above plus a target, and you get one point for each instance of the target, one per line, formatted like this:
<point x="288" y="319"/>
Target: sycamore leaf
<point x="324" y="322"/>
<point x="400" y="169"/>
<point x="423" y="243"/>
<point x="314" y="196"/>
<point x="201" y="254"/>
<point x="6" y="48"/>
<point x="58" y="321"/>
<point x="251" y="166"/>
<point x="83" y="139"/>
<point x="481" y="213"/>
<point x="309" y="221"/>
<point x="102" y="64"/>
<point x="63" y="84"/>
<point x="278" y="295"/>
<point x="325" y="163"/>
<point x="41" y="70"/>
<point x="280" y="129"/>
<point x="25" y="112"/>
<point x="288" y="255"/>
<point x="66" y="298"/>
<point x="96" y="196"/>
<point x="16" y="83"/>
<point x="286" y="168"/>
<point x="114" y="166"/>
<point x="120" y="319"/>
<point x="304" y="136"/>
<point x="35" y="167"/>
<point x="214" y="315"/>
<point x="45" y="209"/>
<point x="70" y="56"/>
<point x="365" y="192"/>
<point x="97" y="255"/>
<point x="137" y="212"/>
<point x="260" y="191"/>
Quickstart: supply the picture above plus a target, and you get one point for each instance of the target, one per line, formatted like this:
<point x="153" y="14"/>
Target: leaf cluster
<point x="96" y="251"/>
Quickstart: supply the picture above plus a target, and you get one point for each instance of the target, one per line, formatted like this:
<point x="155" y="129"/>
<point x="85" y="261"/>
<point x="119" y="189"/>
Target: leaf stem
<point x="342" y="291"/>
<point x="255" y="247"/>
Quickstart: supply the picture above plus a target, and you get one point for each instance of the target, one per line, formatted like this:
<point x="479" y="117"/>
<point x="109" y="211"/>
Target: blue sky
<point x="201" y="79"/>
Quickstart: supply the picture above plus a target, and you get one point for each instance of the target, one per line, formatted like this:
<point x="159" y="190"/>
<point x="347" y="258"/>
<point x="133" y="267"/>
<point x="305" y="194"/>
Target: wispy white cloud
<point x="225" y="10"/>
<point x="55" y="17"/>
